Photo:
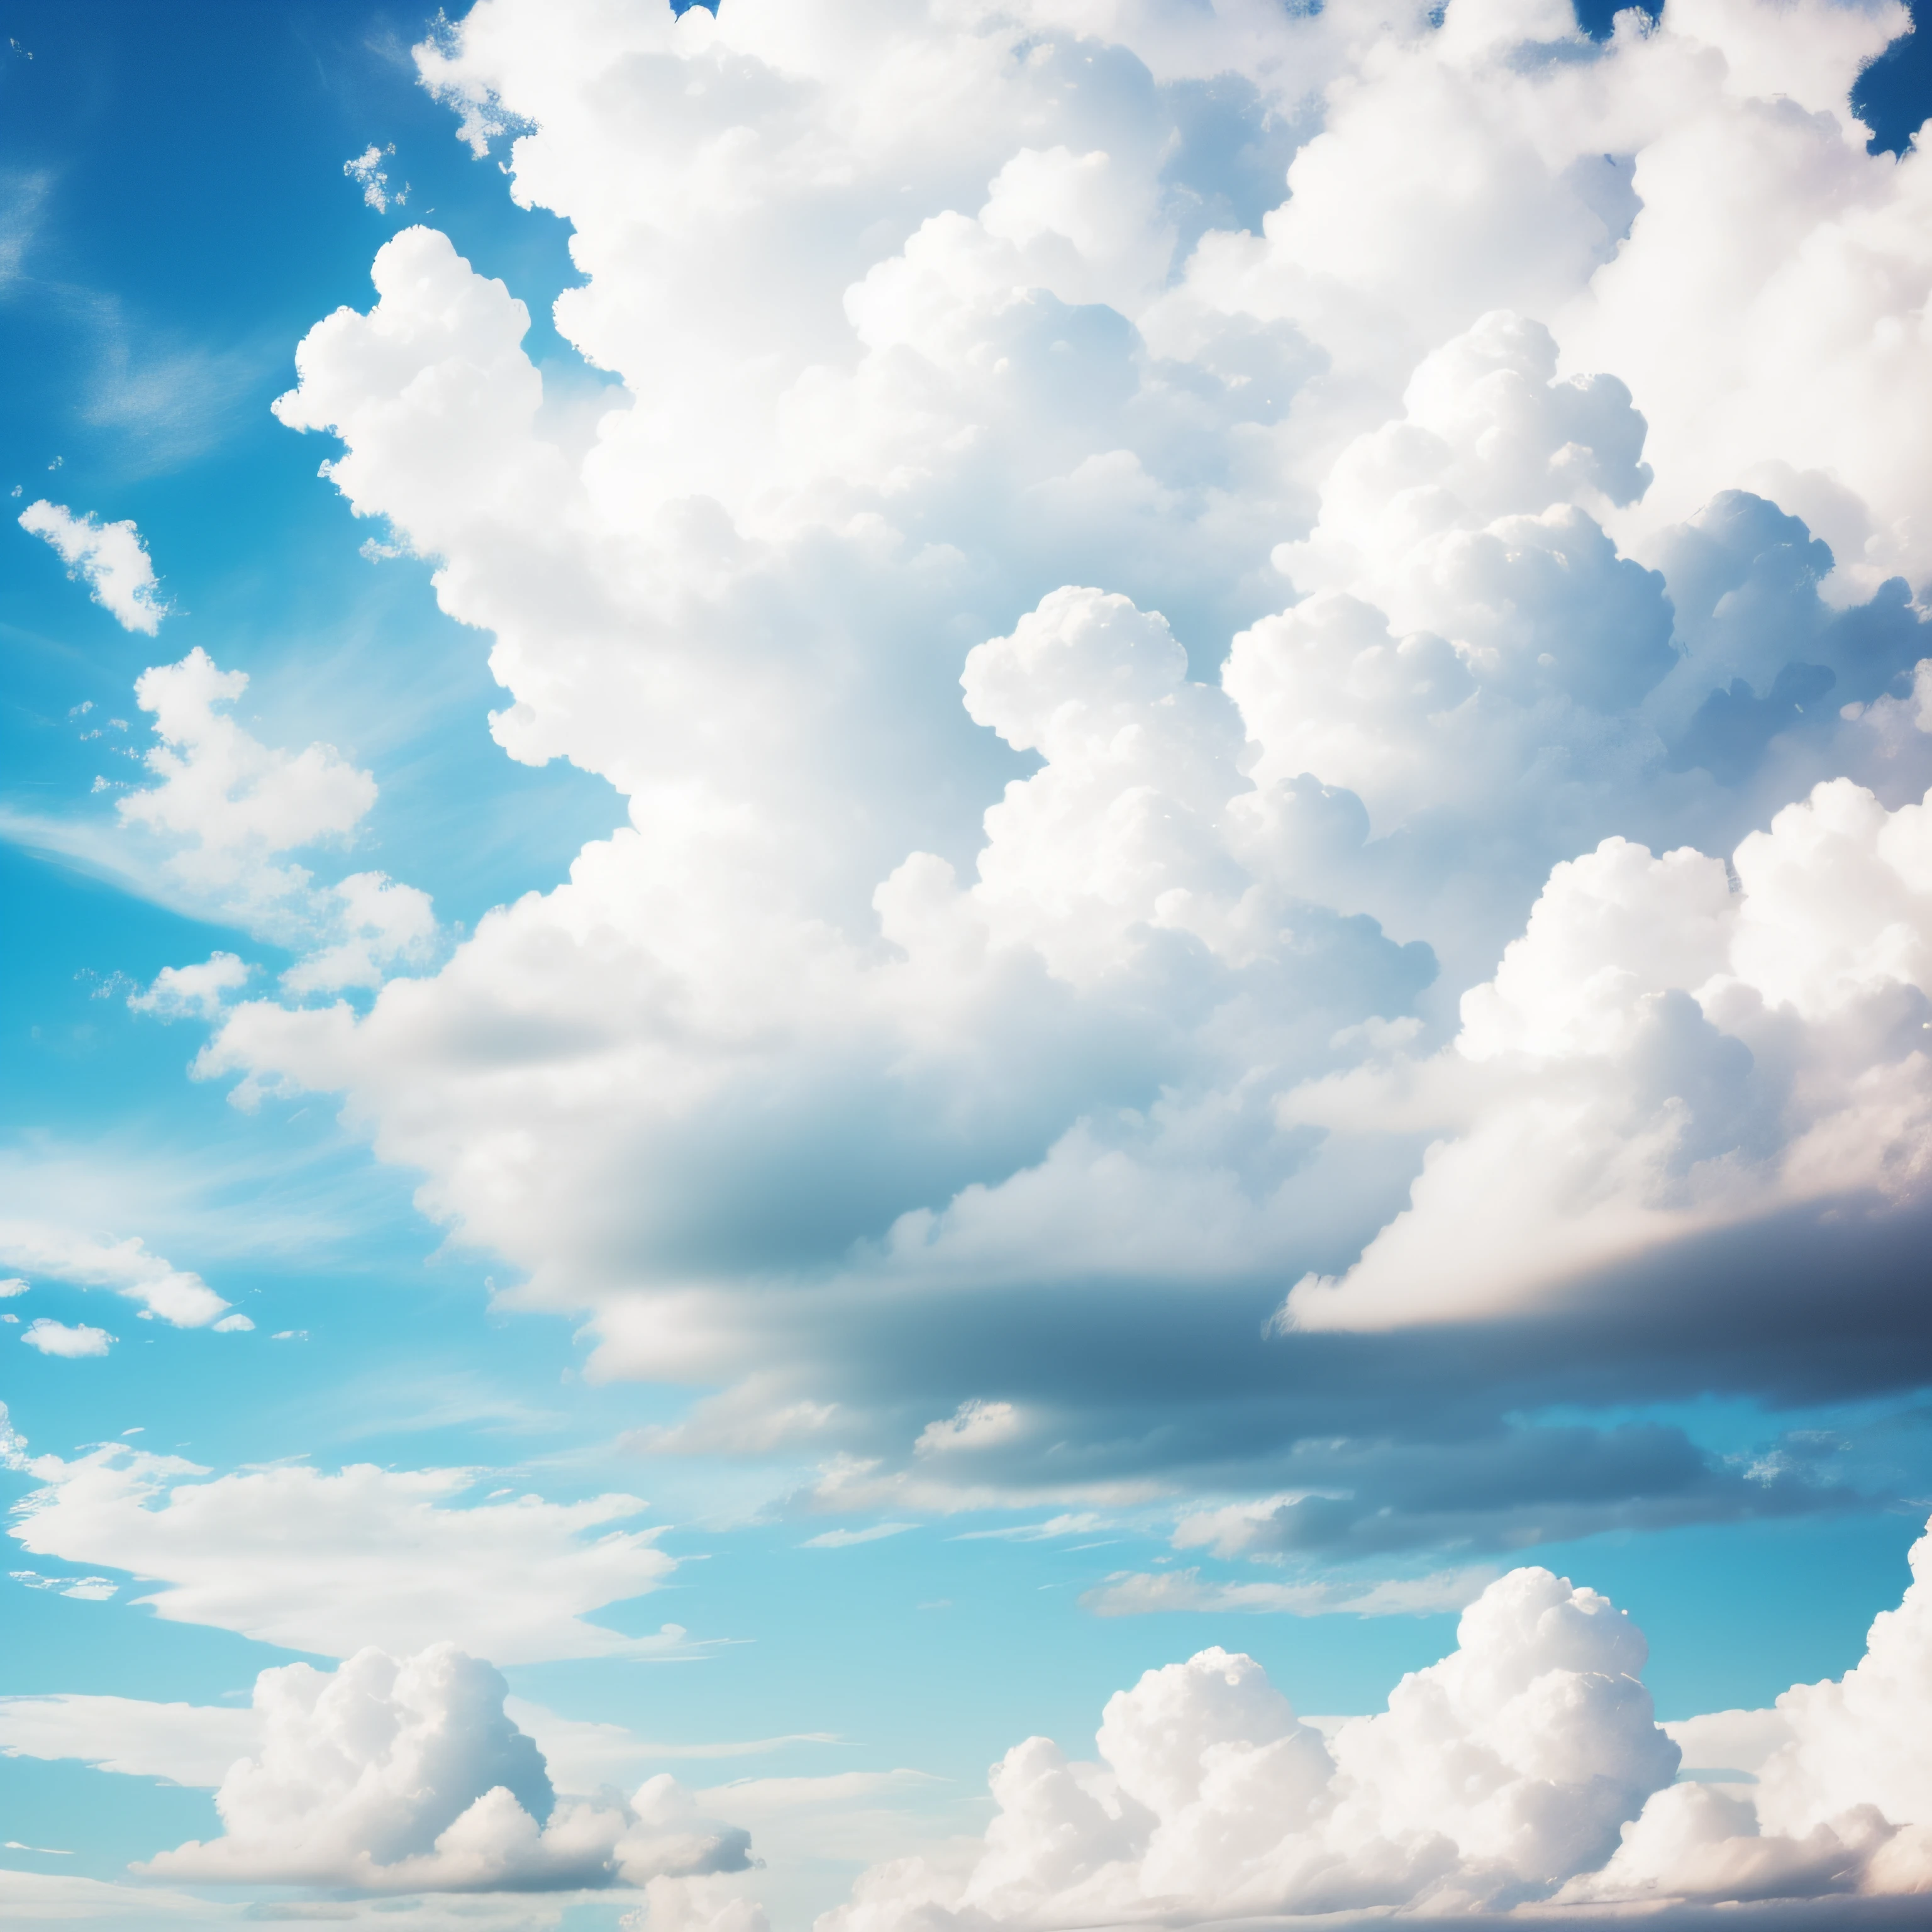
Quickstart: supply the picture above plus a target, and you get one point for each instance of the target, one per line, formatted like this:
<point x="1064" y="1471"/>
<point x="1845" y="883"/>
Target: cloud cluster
<point x="110" y="556"/>
<point x="390" y="1774"/>
<point x="1525" y="1767"/>
<point x="1349" y="462"/>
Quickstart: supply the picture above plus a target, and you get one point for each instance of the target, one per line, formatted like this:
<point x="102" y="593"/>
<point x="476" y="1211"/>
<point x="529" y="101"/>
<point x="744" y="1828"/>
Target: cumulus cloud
<point x="404" y="1774"/>
<point x="1491" y="1777"/>
<point x="365" y="1556"/>
<point x="1664" y="1052"/>
<point x="111" y="557"/>
<point x="57" y="1338"/>
<point x="1524" y="1768"/>
<point x="1835" y="1794"/>
<point x="177" y="1296"/>
<point x="1106" y="636"/>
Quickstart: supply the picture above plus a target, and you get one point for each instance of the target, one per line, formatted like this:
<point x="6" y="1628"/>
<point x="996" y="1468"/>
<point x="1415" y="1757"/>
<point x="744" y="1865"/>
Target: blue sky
<point x="994" y="1291"/>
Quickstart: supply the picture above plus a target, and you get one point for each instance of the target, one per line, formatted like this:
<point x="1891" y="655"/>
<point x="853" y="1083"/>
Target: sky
<point x="926" y="885"/>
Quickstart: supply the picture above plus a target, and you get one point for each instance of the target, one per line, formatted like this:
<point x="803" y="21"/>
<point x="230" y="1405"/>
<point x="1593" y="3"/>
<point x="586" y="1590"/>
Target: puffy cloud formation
<point x="1350" y="462"/>
<point x="228" y="810"/>
<point x="233" y="802"/>
<point x="1673" y="1045"/>
<point x="1525" y="1767"/>
<point x="392" y="1774"/>
<point x="1837" y="1796"/>
<point x="367" y="1556"/>
<point x="110" y="556"/>
<point x="180" y="992"/>
<point x="59" y="1338"/>
<point x="177" y="1296"/>
<point x="1491" y="1777"/>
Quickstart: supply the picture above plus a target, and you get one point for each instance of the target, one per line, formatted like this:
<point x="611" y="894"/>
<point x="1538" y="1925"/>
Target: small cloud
<point x="366" y="171"/>
<point x="200" y="990"/>
<point x="1129" y="1594"/>
<point x="13" y="1285"/>
<point x="110" y="556"/>
<point x="233" y="1324"/>
<point x="289" y="1335"/>
<point x="973" y="1425"/>
<point x="843" y="1539"/>
<point x="1036" y="1532"/>
<point x="56" y="1338"/>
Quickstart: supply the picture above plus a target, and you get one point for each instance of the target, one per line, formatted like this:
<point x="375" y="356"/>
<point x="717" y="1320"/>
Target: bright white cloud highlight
<point x="110" y="557"/>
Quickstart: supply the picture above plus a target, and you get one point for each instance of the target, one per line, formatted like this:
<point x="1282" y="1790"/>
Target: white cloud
<point x="392" y="1774"/>
<point x="1491" y="1776"/>
<point x="41" y="1898"/>
<point x="367" y="172"/>
<point x="844" y="1539"/>
<point x="187" y="1744"/>
<point x="584" y="1756"/>
<point x="1293" y="522"/>
<point x="235" y="803"/>
<point x="1837" y="1795"/>
<point x="1659" y="1055"/>
<point x="111" y="558"/>
<point x="1524" y="1768"/>
<point x="383" y="924"/>
<point x="201" y="992"/>
<point x="176" y="1295"/>
<point x="973" y="1425"/>
<point x="57" y="1338"/>
<point x="365" y="1556"/>
<point x="1131" y="1593"/>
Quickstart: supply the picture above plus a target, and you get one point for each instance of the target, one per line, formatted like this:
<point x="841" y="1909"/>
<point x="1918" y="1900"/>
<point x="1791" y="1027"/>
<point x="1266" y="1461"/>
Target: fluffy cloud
<point x="1836" y="1793"/>
<point x="1664" y="1052"/>
<point x="1525" y="1767"/>
<point x="233" y="803"/>
<point x="1491" y="1777"/>
<point x="366" y="1556"/>
<point x="1350" y="465"/>
<point x="201" y="992"/>
<point x="227" y="810"/>
<point x="176" y="1295"/>
<point x="392" y="1774"/>
<point x="59" y="1338"/>
<point x="111" y="557"/>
